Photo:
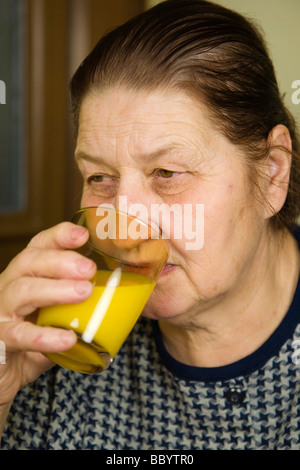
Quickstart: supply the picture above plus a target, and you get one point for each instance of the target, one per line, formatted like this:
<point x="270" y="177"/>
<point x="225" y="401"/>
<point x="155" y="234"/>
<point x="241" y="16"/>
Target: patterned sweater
<point x="147" y="400"/>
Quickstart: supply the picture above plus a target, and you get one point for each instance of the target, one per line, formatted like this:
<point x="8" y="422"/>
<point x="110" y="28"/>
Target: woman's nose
<point x="135" y="198"/>
<point x="137" y="224"/>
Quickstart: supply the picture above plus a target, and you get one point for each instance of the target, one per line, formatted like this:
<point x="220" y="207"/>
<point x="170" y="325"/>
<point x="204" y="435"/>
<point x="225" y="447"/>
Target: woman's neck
<point x="239" y="323"/>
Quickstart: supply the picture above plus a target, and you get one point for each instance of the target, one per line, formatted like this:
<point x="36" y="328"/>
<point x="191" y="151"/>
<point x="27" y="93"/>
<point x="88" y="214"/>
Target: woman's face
<point x="161" y="148"/>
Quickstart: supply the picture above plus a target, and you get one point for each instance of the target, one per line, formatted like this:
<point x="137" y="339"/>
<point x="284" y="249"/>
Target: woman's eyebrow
<point x="84" y="156"/>
<point x="173" y="149"/>
<point x="156" y="154"/>
<point x="152" y="155"/>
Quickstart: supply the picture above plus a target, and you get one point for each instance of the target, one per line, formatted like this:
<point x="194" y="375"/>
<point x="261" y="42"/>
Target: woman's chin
<point x="159" y="308"/>
<point x="172" y="295"/>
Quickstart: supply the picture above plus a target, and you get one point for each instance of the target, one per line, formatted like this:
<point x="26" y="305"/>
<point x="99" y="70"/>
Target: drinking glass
<point x="130" y="255"/>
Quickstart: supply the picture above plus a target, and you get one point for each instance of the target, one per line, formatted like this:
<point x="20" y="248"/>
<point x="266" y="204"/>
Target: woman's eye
<point x="96" y="179"/>
<point x="165" y="173"/>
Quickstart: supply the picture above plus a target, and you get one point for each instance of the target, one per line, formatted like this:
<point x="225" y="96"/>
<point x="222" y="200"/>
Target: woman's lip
<point x="167" y="269"/>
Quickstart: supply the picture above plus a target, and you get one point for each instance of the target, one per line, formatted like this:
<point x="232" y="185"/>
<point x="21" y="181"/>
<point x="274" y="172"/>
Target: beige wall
<point x="280" y="22"/>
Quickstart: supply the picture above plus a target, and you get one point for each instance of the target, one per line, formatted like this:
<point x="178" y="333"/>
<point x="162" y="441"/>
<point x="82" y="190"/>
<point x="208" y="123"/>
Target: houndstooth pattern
<point x="138" y="403"/>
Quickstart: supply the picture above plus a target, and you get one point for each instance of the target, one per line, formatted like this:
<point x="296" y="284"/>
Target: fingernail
<point x="77" y="232"/>
<point x="66" y="337"/>
<point x="83" y="287"/>
<point x="84" y="266"/>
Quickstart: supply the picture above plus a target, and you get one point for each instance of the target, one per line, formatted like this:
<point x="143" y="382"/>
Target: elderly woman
<point x="178" y="106"/>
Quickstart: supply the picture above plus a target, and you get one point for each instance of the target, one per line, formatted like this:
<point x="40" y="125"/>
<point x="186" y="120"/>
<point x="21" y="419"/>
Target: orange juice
<point x="127" y="302"/>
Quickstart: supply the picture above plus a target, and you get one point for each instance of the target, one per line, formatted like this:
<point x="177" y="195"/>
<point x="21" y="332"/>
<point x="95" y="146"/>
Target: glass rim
<point x="84" y="209"/>
<point x="158" y="234"/>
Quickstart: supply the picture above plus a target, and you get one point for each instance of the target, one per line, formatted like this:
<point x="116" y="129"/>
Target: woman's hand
<point x="46" y="272"/>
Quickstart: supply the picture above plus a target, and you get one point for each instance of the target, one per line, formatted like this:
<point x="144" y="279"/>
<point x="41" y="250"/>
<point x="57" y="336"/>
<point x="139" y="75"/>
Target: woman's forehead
<point x="156" y="118"/>
<point x="122" y="102"/>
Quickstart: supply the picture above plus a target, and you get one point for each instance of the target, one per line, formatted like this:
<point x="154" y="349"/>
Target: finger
<point x="36" y="363"/>
<point x="25" y="336"/>
<point x="61" y="236"/>
<point x="24" y="295"/>
<point x="50" y="263"/>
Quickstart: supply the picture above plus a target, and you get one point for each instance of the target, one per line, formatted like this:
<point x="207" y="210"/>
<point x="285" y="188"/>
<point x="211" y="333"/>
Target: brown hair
<point x="210" y="52"/>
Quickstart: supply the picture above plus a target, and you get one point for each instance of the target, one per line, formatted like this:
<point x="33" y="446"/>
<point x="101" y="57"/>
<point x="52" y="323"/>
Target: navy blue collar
<point x="248" y="364"/>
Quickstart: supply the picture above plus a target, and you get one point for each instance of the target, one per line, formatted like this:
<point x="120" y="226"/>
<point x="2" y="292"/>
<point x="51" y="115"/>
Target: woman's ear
<point x="278" y="168"/>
